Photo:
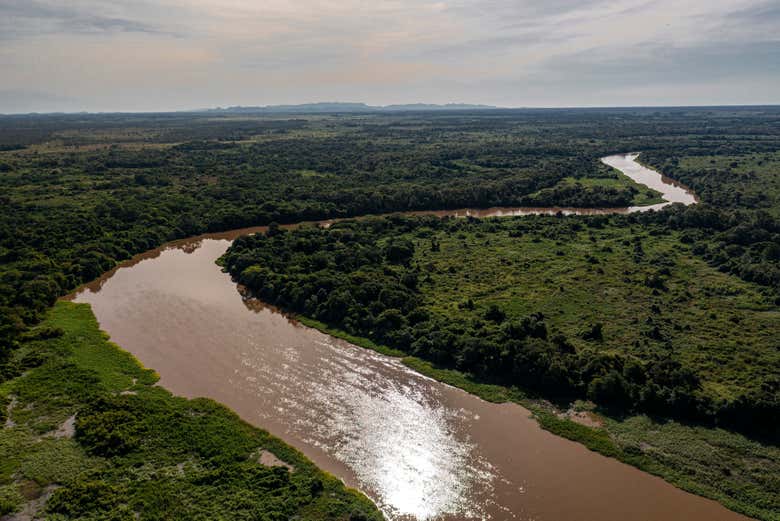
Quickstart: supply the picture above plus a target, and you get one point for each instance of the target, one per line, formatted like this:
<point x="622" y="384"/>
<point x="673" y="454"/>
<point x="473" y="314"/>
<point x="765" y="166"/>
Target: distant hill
<point x="329" y="107"/>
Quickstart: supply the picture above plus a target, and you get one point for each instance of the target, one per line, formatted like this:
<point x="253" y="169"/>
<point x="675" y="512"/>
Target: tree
<point x="399" y="251"/>
<point x="495" y="314"/>
<point x="610" y="390"/>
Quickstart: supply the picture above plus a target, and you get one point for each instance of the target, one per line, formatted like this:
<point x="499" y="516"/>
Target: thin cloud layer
<point x="181" y="54"/>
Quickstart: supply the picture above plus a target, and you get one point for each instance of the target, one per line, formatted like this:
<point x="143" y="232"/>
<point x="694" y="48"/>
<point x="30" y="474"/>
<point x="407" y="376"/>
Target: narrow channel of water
<point x="670" y="190"/>
<point x="421" y="449"/>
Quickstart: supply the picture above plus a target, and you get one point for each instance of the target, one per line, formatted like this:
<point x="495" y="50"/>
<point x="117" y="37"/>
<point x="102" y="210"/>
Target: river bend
<point x="422" y="450"/>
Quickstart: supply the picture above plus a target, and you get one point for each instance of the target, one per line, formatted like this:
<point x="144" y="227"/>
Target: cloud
<point x="33" y="18"/>
<point x="755" y="22"/>
<point x="171" y="54"/>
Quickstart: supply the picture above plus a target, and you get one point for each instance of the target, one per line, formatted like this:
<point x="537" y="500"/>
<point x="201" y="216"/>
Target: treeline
<point x="576" y="196"/>
<point x="49" y="247"/>
<point x="742" y="242"/>
<point x="361" y="277"/>
<point x="70" y="214"/>
<point x="100" y="194"/>
<point x="732" y="178"/>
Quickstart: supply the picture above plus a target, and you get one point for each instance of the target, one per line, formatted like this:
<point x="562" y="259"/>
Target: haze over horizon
<point x="160" y="55"/>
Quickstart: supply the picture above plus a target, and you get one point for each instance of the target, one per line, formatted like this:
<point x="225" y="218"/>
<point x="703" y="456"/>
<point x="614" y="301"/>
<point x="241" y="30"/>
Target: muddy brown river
<point x="420" y="449"/>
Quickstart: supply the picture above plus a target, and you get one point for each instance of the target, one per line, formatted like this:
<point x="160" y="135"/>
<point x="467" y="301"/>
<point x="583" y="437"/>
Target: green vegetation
<point x="732" y="179"/>
<point x="667" y="321"/>
<point x="616" y="310"/>
<point x="88" y="429"/>
<point x="81" y="192"/>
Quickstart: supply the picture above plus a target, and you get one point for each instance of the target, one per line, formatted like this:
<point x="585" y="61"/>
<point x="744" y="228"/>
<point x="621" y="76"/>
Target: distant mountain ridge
<point x="350" y="107"/>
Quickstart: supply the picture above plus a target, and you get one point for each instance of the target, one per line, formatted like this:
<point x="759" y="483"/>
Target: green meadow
<point x="87" y="430"/>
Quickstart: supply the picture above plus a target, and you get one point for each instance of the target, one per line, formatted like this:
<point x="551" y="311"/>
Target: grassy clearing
<point x="644" y="195"/>
<point x="711" y="321"/>
<point x="137" y="451"/>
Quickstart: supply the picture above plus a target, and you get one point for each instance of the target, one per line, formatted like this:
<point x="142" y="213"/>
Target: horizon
<point x="177" y="55"/>
<point x="277" y="109"/>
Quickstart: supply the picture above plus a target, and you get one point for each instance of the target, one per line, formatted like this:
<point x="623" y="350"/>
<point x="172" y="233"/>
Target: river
<point x="420" y="449"/>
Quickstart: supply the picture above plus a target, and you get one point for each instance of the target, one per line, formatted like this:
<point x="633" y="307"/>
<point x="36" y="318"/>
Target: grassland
<point x="88" y="435"/>
<point x="725" y="328"/>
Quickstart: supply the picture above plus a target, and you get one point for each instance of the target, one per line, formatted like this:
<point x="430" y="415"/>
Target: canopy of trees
<point x="364" y="277"/>
<point x="81" y="192"/>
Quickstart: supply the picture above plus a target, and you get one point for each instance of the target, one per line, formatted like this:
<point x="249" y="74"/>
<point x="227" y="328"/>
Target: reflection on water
<point x="420" y="449"/>
<point x="393" y="432"/>
<point x="671" y="190"/>
<point x="401" y="437"/>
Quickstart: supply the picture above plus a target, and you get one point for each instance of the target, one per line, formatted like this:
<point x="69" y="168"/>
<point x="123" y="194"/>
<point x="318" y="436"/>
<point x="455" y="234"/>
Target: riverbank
<point x="178" y="277"/>
<point x="653" y="295"/>
<point x="616" y="438"/>
<point x="88" y="433"/>
<point x="367" y="418"/>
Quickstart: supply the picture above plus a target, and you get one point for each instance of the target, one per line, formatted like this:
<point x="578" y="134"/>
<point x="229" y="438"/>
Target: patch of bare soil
<point x="37" y="498"/>
<point x="67" y="429"/>
<point x="270" y="460"/>
<point x="9" y="423"/>
<point x="586" y="418"/>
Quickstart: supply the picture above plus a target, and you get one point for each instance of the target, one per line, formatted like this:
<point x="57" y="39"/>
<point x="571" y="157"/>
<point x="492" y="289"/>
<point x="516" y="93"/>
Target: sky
<point x="155" y="55"/>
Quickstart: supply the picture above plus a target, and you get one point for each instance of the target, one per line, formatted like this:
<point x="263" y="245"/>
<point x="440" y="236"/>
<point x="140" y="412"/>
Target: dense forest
<point x="685" y="325"/>
<point x="377" y="278"/>
<point x="80" y="196"/>
<point x="81" y="192"/>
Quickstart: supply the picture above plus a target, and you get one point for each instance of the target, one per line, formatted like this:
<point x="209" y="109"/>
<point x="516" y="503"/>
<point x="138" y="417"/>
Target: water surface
<point x="671" y="190"/>
<point x="420" y="449"/>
